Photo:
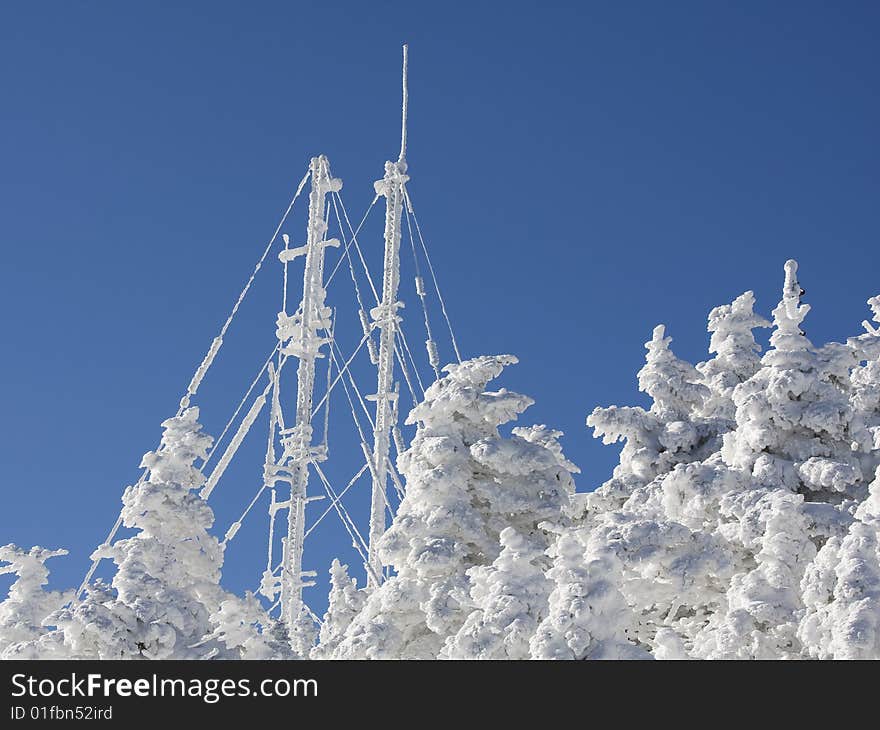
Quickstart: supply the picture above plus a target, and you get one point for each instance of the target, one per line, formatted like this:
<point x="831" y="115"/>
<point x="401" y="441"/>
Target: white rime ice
<point x="842" y="590"/>
<point x="511" y="596"/>
<point x="736" y="353"/>
<point x="27" y="604"/>
<point x="244" y="629"/>
<point x="587" y="617"/>
<point x="167" y="581"/>
<point x="656" y="440"/>
<point x="742" y="521"/>
<point x="738" y="523"/>
<point x="345" y="603"/>
<point x="465" y="483"/>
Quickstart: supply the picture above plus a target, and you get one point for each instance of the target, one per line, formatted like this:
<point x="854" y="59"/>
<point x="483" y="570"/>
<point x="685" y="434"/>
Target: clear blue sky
<point x="582" y="171"/>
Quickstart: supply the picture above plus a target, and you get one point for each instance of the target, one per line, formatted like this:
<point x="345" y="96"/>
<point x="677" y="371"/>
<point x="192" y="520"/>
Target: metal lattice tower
<point x="385" y="316"/>
<point x="301" y="335"/>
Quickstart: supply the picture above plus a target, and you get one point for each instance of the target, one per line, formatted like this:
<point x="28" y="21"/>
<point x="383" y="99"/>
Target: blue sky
<point x="582" y="172"/>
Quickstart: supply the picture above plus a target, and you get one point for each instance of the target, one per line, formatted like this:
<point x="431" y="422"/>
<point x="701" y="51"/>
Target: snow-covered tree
<point x="96" y="626"/>
<point x="511" y="597"/>
<point x="244" y="628"/>
<point x="673" y="384"/>
<point x="793" y="418"/>
<point x="345" y="603"/>
<point x="736" y="353"/>
<point x="865" y="381"/>
<point x="167" y="581"/>
<point x="841" y="590"/>
<point x="464" y="484"/>
<point x="28" y="603"/>
<point x="710" y="546"/>
<point x="764" y="601"/>
<point x="587" y="616"/>
<point x="655" y="440"/>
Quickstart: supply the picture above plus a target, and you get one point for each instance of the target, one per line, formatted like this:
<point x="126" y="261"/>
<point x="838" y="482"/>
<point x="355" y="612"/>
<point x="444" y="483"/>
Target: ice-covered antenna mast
<point x="385" y="316"/>
<point x="405" y="106"/>
<point x="301" y="335"/>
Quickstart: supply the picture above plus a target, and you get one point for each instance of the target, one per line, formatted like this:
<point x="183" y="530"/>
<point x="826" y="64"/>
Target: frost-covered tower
<point x="301" y="335"/>
<point x="386" y="318"/>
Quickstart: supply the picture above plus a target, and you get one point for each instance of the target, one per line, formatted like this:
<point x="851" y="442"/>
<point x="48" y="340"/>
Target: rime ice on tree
<point x="28" y="603"/>
<point x="461" y="476"/>
<point x="511" y="598"/>
<point x="167" y="582"/>
<point x="793" y="416"/>
<point x="344" y="604"/>
<point x="242" y="626"/>
<point x="737" y="355"/>
<point x="658" y="439"/>
<point x="587" y="617"/>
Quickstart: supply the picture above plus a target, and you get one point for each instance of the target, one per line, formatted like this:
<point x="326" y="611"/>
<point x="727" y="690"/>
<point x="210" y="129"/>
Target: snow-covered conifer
<point x="736" y="353"/>
<point x="865" y="381"/>
<point x="344" y="604"/>
<point x="769" y="530"/>
<point x="673" y="384"/>
<point x="244" y="628"/>
<point x="841" y="590"/>
<point x="28" y="603"/>
<point x="464" y="484"/>
<point x="587" y="616"/>
<point x="511" y="597"/>
<point x="793" y="418"/>
<point x="167" y="581"/>
<point x="655" y="440"/>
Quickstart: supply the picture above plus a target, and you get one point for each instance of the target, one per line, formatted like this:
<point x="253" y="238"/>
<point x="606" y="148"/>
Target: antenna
<point x="300" y="336"/>
<point x="387" y="320"/>
<point x="405" y="106"/>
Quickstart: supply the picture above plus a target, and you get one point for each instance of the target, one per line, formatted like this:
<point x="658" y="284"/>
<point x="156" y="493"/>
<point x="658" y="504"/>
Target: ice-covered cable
<point x="113" y="530"/>
<point x="375" y="292"/>
<point x="331" y="337"/>
<point x="206" y="363"/>
<point x="357" y="539"/>
<point x="430" y="343"/>
<point x="236" y="442"/>
<point x="395" y="477"/>
<point x="433" y="274"/>
<point x="356" y="390"/>
<point x="357" y="246"/>
<point x="241" y="403"/>
<point x="234" y="527"/>
<point x="354" y="232"/>
<point x="340" y="375"/>
<point x="403" y="367"/>
<point x="327" y="511"/>
<point x="217" y="343"/>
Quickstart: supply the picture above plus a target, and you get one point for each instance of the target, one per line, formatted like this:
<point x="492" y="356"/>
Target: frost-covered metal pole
<point x="300" y="337"/>
<point x="391" y="187"/>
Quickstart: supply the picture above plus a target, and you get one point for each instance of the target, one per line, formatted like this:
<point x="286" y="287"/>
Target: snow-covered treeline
<point x="741" y="522"/>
